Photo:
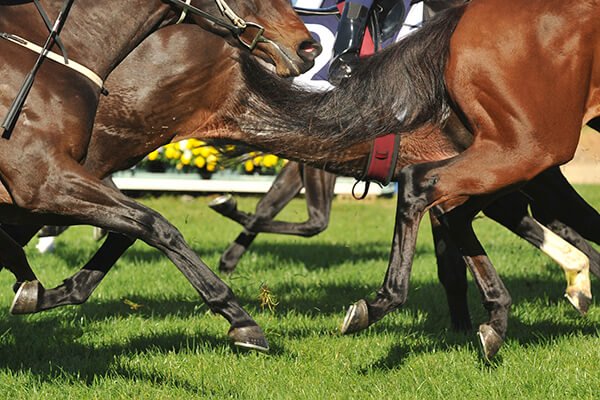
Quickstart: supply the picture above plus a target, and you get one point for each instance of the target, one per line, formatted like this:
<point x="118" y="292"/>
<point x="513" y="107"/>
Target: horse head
<point x="270" y="29"/>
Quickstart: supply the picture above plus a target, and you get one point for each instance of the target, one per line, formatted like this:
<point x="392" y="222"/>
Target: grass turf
<point x="145" y="334"/>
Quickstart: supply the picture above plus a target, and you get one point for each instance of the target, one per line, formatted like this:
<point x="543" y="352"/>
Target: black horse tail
<point x="396" y="90"/>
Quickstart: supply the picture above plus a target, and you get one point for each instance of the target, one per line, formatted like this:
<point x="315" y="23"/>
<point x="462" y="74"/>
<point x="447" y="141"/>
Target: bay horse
<point x="42" y="179"/>
<point x="267" y="113"/>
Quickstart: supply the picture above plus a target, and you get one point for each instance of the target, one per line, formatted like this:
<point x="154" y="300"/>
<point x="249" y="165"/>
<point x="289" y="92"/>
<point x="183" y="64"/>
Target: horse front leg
<point x="319" y="189"/>
<point x="394" y="291"/>
<point x="285" y="187"/>
<point x="13" y="258"/>
<point x="83" y="198"/>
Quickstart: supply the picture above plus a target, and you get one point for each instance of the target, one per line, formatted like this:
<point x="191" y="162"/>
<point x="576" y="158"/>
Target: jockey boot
<point x="348" y="40"/>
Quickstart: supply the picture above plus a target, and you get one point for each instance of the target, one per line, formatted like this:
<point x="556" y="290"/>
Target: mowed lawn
<point x="145" y="334"/>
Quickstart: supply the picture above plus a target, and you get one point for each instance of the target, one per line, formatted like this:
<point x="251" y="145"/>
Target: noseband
<point x="237" y="25"/>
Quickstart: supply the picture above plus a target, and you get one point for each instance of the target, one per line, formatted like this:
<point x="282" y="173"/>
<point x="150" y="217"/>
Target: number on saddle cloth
<point x="323" y="28"/>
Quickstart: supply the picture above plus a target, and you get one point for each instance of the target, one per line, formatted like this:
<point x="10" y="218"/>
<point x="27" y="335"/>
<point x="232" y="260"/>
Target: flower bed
<point x="196" y="156"/>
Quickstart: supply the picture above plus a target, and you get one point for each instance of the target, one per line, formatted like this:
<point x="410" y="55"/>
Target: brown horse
<point x="264" y="113"/>
<point x="42" y="179"/>
<point x="520" y="134"/>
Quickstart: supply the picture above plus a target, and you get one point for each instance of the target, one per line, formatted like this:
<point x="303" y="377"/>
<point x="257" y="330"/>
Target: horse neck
<point x="97" y="34"/>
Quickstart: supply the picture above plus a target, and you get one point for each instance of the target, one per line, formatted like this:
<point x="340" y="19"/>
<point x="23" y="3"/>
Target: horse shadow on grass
<point x="47" y="348"/>
<point x="314" y="255"/>
<point x="522" y="332"/>
<point x="51" y="352"/>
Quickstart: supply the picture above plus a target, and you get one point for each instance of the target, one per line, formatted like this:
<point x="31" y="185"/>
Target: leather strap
<point x="83" y="70"/>
<point x="382" y="159"/>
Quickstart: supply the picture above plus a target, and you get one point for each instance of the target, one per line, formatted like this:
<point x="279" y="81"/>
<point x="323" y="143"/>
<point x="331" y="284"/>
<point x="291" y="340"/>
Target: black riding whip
<point x="13" y="112"/>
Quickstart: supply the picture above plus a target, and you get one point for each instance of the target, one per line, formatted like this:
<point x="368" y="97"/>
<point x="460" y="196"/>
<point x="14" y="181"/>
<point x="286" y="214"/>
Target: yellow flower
<point x="186" y="157"/>
<point x="249" y="166"/>
<point x="179" y="166"/>
<point x="172" y="153"/>
<point x="211" y="159"/>
<point x="153" y="156"/>
<point x="270" y="160"/>
<point x="257" y="160"/>
<point x="211" y="167"/>
<point x="199" y="162"/>
<point x="205" y="151"/>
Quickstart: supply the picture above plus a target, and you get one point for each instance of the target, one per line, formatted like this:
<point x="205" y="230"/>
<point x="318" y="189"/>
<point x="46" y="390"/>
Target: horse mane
<point x="395" y="90"/>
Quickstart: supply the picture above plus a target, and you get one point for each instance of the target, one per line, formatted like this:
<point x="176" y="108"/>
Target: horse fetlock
<point x="224" y="205"/>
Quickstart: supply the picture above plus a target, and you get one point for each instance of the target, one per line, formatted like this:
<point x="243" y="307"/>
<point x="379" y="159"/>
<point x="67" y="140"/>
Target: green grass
<point x="172" y="348"/>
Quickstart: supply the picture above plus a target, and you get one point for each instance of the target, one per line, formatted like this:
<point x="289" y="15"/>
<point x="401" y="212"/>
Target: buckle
<point x="251" y="44"/>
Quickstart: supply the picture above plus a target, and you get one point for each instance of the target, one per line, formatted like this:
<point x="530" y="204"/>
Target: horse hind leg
<point x="496" y="299"/>
<point x="511" y="211"/>
<point x="451" y="273"/>
<point x="319" y="193"/>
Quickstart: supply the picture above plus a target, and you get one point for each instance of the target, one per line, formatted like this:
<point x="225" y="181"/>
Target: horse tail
<point x="396" y="90"/>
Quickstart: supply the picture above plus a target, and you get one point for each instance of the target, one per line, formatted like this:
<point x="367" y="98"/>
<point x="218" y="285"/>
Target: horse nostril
<point x="309" y="50"/>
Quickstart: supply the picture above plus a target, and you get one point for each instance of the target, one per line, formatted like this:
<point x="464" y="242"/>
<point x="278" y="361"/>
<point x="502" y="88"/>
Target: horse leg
<point x="86" y="200"/>
<point x="286" y="186"/>
<point x="560" y="201"/>
<point x="496" y="299"/>
<point x="77" y="288"/>
<point x="319" y="190"/>
<point x="452" y="274"/>
<point x="450" y="181"/>
<point x="557" y="205"/>
<point x="318" y="186"/>
<point x="511" y="211"/>
<point x="13" y="258"/>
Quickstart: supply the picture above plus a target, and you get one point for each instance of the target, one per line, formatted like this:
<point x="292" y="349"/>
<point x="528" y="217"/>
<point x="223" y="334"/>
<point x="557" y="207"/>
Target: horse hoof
<point x="357" y="318"/>
<point x="489" y="340"/>
<point x="580" y="301"/>
<point x="26" y="298"/>
<point x="224" y="205"/>
<point x="249" y="337"/>
<point x="226" y="267"/>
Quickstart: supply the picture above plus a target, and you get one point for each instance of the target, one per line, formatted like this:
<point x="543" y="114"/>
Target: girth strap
<point x="382" y="160"/>
<point x="83" y="70"/>
<point x="381" y="163"/>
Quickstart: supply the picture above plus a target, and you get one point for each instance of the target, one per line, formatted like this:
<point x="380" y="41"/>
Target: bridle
<point x="236" y="25"/>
